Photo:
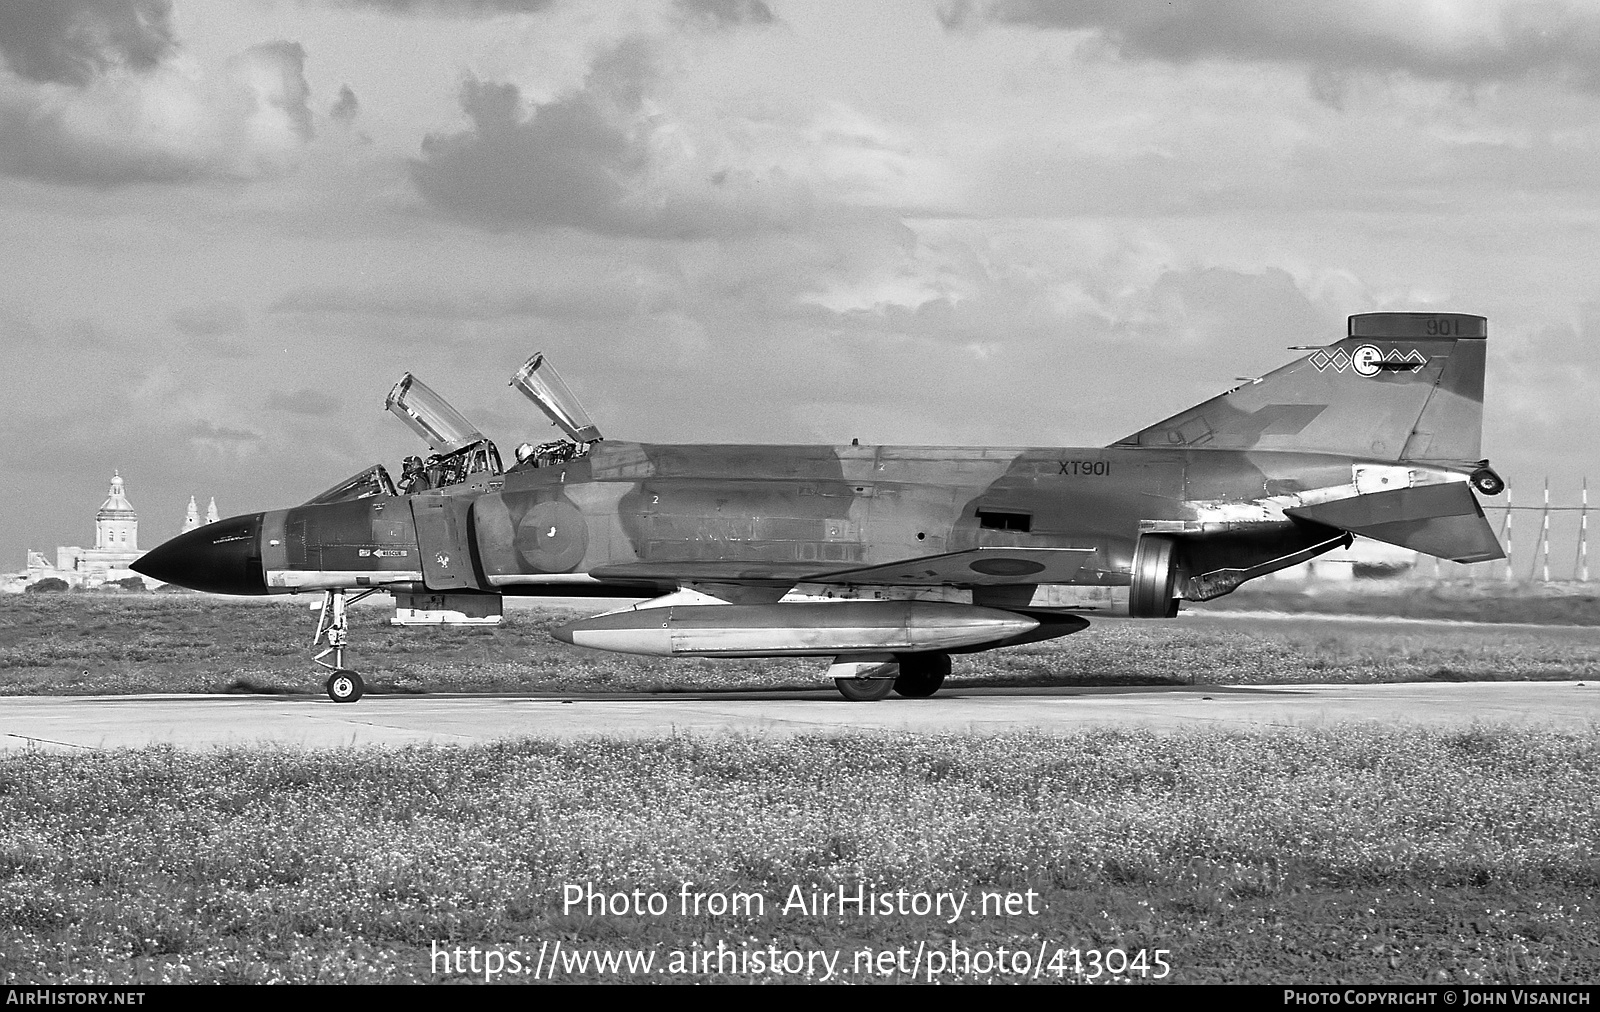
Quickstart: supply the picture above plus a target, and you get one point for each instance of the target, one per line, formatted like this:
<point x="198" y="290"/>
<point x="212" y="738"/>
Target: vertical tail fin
<point x="1401" y="386"/>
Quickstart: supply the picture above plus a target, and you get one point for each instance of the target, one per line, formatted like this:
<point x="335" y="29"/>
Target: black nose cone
<point x="219" y="558"/>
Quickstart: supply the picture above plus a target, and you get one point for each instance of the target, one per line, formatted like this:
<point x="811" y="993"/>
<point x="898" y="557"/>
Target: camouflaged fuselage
<point x="638" y="515"/>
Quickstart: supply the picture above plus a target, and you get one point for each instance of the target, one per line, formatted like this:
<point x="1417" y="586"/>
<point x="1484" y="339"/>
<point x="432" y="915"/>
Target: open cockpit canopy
<point x="460" y="450"/>
<point x="541" y="384"/>
<point x="430" y="416"/>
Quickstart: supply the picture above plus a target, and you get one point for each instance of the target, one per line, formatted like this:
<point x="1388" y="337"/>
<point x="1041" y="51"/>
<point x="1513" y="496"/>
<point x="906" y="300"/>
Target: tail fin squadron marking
<point x="1368" y="360"/>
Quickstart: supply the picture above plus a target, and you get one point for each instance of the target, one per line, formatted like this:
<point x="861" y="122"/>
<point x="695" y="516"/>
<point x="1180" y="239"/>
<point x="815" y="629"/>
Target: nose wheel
<point x="333" y="628"/>
<point x="345" y="687"/>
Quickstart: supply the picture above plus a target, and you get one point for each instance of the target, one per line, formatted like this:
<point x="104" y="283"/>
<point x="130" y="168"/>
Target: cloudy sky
<point x="229" y="225"/>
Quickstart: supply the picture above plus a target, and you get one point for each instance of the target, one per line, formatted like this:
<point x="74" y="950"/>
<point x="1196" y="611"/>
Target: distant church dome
<point x="116" y="506"/>
<point x="116" y="526"/>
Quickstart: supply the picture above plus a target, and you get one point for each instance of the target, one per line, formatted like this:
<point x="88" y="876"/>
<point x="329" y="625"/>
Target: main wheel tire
<point x="864" y="690"/>
<point x="1154" y="578"/>
<point x="921" y="675"/>
<point x="345" y="687"/>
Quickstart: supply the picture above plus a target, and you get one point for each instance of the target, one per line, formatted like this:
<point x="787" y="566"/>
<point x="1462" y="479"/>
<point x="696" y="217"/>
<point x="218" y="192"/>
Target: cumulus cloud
<point x="164" y="420"/>
<point x="99" y="95"/>
<point x="450" y="8"/>
<point x="727" y="13"/>
<point x="596" y="297"/>
<point x="604" y="158"/>
<point x="346" y="107"/>
<point x="1469" y="43"/>
<point x="74" y="41"/>
<point x="707" y="13"/>
<point x="270" y="93"/>
<point x="208" y="438"/>
<point x="1058" y="323"/>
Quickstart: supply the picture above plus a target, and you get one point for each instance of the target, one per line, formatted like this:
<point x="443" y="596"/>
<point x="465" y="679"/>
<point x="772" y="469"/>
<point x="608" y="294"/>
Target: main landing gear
<point x="920" y="676"/>
<point x="333" y="627"/>
<point x="864" y="690"/>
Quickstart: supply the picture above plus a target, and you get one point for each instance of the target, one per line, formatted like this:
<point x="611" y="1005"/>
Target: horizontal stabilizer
<point x="1441" y="520"/>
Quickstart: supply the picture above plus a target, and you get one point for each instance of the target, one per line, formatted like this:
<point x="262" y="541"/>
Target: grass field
<point x="1485" y="601"/>
<point x="88" y="643"/>
<point x="1347" y="854"/>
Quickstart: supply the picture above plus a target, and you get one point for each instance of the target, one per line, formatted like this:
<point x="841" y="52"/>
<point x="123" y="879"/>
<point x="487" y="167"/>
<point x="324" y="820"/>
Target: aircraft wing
<point x="1440" y="520"/>
<point x="974" y="567"/>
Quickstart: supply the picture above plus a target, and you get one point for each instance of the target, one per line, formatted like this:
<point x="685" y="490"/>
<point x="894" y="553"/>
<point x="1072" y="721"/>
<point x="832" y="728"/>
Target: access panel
<point x="443" y="537"/>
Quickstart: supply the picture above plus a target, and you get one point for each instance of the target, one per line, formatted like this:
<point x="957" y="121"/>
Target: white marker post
<point x="1544" y="533"/>
<point x="1583" y="534"/>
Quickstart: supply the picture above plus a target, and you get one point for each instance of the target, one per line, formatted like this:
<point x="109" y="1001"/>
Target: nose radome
<point x="219" y="558"/>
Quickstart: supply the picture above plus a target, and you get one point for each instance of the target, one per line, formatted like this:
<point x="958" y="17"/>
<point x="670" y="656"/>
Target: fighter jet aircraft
<point x="887" y="560"/>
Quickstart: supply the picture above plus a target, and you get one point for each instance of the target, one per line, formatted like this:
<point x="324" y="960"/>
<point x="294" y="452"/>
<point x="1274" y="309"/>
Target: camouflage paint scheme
<point x="1377" y="434"/>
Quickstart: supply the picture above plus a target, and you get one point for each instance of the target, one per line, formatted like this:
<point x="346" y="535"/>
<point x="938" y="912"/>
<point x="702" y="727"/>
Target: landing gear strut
<point x="343" y="685"/>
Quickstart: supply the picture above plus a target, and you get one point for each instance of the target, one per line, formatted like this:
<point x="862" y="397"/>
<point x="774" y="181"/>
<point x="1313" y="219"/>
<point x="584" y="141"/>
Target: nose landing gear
<point x="333" y="627"/>
<point x="344" y="687"/>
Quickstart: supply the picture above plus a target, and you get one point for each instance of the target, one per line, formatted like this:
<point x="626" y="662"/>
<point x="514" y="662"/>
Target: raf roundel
<point x="552" y="536"/>
<point x="1006" y="567"/>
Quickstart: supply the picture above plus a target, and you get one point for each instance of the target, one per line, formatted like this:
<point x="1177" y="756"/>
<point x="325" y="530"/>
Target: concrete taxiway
<point x="197" y="721"/>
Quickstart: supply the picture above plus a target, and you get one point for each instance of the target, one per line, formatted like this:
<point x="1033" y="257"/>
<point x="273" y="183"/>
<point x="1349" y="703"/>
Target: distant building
<point x="191" y="520"/>
<point x="116" y="547"/>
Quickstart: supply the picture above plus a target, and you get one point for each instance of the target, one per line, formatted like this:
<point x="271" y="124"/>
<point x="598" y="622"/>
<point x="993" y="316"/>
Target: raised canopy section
<point x="430" y="416"/>
<point x="541" y="384"/>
